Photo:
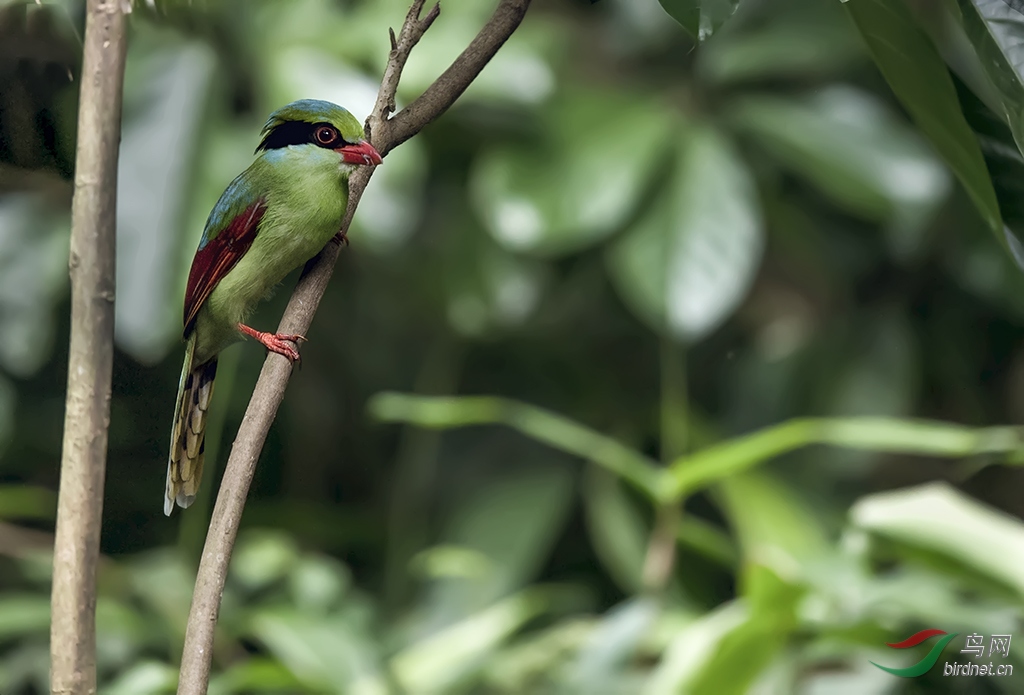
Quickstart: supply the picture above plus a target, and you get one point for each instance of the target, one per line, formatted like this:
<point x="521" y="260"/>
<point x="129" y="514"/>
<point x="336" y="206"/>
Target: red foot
<point x="276" y="342"/>
<point x="341" y="239"/>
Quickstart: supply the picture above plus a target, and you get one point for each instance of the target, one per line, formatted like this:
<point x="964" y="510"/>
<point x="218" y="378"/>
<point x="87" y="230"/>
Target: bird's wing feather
<point x="229" y="233"/>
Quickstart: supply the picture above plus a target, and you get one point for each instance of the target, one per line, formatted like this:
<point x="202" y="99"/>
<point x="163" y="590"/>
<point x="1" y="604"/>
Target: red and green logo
<point x="922" y="666"/>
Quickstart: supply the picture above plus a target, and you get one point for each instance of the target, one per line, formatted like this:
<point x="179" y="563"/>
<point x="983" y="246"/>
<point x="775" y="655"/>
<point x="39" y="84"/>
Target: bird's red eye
<point x="326" y="135"/>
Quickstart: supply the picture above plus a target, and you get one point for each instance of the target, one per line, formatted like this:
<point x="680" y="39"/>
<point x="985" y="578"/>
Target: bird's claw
<point x="281" y="343"/>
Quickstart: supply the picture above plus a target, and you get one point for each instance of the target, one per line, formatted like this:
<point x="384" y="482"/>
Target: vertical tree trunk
<point x="90" y="363"/>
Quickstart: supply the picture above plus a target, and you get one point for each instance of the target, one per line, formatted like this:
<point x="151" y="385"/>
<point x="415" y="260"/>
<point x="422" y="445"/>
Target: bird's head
<point x="318" y="124"/>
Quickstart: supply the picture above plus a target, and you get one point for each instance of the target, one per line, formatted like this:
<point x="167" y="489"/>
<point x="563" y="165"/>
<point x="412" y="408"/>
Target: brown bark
<point x="90" y="362"/>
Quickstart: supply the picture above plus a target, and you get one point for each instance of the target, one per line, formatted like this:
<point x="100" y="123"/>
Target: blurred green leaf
<point x="857" y="676"/>
<point x="810" y="40"/>
<point x="939" y="518"/>
<point x="1006" y="167"/>
<point x="708" y="540"/>
<point x="33" y="278"/>
<point x="689" y="261"/>
<point x="512" y="522"/>
<point x="701" y="18"/>
<point x="120" y="632"/>
<point x="24" y="614"/>
<point x="35" y="562"/>
<point x="693" y="648"/>
<point x="318" y="583"/>
<point x="774" y="527"/>
<point x="537" y="657"/>
<point x="861" y="604"/>
<point x="686" y="12"/>
<point x="581" y="179"/>
<point x="694" y="472"/>
<point x="611" y="645"/>
<point x="262" y="558"/>
<point x="325" y="653"/>
<point x="451" y="561"/>
<point x="437" y="663"/>
<point x="489" y="289"/>
<point x="617" y="531"/>
<point x="844" y="142"/>
<point x="691" y="473"/>
<point x="253" y="676"/>
<point x="919" y="78"/>
<point x="545" y="426"/>
<point x="744" y="652"/>
<point x="879" y="380"/>
<point x="164" y="111"/>
<point x="26" y="668"/>
<point x="163" y="584"/>
<point x="996" y="30"/>
<point x="144" y="678"/>
<point x="25" y="501"/>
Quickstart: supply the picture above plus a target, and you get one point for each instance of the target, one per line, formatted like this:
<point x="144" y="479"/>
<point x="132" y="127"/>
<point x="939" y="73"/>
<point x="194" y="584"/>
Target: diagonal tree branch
<point x="385" y="133"/>
<point x="91" y="354"/>
<point x="457" y="78"/>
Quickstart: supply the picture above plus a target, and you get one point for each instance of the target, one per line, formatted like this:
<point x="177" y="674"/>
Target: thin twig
<point x="412" y="30"/>
<point x="459" y="75"/>
<point x="385" y="133"/>
<point x="91" y="354"/>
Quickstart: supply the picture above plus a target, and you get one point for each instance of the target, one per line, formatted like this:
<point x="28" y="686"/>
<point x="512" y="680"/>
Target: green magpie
<point x="272" y="218"/>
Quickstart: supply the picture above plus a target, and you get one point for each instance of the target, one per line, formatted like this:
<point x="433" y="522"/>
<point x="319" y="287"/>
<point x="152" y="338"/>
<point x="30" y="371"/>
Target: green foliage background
<point x="678" y="357"/>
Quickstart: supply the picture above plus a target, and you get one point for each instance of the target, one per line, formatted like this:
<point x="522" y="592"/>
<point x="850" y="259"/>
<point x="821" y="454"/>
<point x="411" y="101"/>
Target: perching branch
<point x="453" y="81"/>
<point x="90" y="362"/>
<point x="385" y="133"/>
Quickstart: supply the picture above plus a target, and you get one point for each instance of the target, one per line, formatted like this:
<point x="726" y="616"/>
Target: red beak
<point x="360" y="153"/>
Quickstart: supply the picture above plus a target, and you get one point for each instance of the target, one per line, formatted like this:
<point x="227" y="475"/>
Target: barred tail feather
<point x="185" y="462"/>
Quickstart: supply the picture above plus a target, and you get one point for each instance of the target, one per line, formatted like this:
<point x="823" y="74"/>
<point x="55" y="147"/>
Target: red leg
<point x="276" y="342"/>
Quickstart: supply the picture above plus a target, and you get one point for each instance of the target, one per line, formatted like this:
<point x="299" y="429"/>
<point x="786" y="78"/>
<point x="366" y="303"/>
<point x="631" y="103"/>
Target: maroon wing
<point x="217" y="255"/>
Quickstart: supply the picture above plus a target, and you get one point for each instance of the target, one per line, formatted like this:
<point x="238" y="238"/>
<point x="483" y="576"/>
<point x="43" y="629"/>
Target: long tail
<point x="185" y="462"/>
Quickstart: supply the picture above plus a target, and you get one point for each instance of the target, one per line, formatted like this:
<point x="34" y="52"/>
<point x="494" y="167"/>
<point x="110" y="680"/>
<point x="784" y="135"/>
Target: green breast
<point x="306" y="194"/>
